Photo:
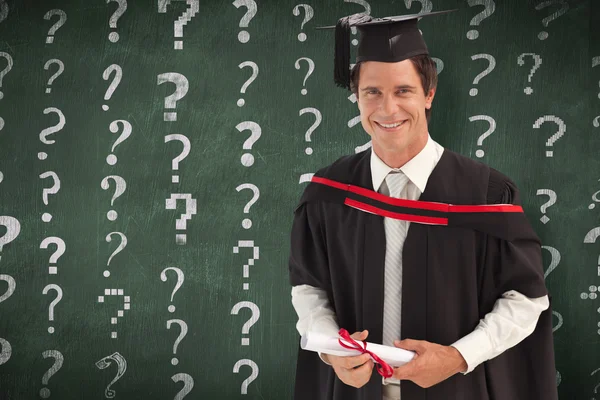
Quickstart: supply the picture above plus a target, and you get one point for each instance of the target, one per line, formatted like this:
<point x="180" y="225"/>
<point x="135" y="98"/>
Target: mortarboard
<point x="387" y="39"/>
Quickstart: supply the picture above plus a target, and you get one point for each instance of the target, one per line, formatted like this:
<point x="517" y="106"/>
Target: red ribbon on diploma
<point x="383" y="368"/>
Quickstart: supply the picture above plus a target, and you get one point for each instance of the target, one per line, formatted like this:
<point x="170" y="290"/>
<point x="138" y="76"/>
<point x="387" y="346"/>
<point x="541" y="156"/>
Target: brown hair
<point x="425" y="66"/>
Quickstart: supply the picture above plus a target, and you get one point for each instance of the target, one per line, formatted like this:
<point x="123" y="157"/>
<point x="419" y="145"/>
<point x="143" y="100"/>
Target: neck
<point x="396" y="159"/>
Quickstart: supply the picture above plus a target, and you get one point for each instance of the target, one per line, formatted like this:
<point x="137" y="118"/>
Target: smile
<point x="390" y="127"/>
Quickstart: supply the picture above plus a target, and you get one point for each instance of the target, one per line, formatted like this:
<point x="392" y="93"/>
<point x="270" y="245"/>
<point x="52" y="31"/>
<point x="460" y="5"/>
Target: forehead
<point x="380" y="73"/>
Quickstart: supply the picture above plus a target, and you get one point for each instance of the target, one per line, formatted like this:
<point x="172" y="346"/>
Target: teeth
<point x="391" y="126"/>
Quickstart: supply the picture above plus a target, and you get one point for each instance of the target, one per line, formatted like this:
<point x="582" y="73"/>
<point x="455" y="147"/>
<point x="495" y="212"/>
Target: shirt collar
<point x="417" y="169"/>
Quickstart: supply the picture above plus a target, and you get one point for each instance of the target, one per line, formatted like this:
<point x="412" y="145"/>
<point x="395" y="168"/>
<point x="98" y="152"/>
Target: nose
<point x="388" y="105"/>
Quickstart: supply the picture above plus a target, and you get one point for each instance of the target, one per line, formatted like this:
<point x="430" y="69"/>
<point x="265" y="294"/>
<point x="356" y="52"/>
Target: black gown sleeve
<point x="308" y="263"/>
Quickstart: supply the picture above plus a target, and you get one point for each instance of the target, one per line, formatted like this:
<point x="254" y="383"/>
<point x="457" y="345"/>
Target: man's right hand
<point x="353" y="371"/>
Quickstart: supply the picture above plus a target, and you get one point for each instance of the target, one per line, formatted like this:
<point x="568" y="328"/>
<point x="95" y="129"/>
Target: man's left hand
<point x="432" y="364"/>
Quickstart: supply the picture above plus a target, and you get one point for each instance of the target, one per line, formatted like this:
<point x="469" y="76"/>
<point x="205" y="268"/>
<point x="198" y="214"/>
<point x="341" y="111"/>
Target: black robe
<point x="452" y="276"/>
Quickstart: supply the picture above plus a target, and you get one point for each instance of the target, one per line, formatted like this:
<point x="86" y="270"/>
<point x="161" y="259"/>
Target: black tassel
<point x="341" y="72"/>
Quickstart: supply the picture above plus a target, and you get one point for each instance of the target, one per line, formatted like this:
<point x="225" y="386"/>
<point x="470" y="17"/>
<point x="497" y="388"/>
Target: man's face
<point x="390" y="93"/>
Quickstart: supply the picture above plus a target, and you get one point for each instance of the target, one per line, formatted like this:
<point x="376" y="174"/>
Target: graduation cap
<point x="387" y="39"/>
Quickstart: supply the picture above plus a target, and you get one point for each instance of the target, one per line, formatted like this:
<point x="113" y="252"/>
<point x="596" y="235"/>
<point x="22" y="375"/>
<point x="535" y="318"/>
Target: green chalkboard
<point x="180" y="135"/>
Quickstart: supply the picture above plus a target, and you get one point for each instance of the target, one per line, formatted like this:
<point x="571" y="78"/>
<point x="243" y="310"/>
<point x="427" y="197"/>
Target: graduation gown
<point x="452" y="275"/>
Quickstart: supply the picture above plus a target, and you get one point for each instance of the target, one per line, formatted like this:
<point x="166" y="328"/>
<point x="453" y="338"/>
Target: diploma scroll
<point x="321" y="343"/>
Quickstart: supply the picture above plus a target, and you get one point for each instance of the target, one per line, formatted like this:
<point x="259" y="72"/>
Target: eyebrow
<point x="379" y="88"/>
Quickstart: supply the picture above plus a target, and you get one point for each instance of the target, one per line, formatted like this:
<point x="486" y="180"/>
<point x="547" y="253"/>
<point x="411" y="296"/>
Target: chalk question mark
<point x="255" y="316"/>
<point x="598" y="385"/>
<point x="3" y="10"/>
<point x="118" y="74"/>
<point x="188" y="385"/>
<point x="492" y="128"/>
<point x="120" y="313"/>
<point x="12" y="285"/>
<point x="47" y="217"/>
<point x="190" y="209"/>
<point x="58" y="362"/>
<point x="121" y="363"/>
<point x="244" y="36"/>
<point x="120" y="186"/>
<point x="181" y="88"/>
<point x="50" y="130"/>
<point x="537" y="62"/>
<point x="180" y="279"/>
<point x="60" y="250"/>
<point x="311" y="68"/>
<point x="591" y="237"/>
<point x="13" y="228"/>
<point x="555" y="254"/>
<point x="247" y="223"/>
<point x="60" y="70"/>
<point x="3" y="73"/>
<point x="251" y="378"/>
<point x="255" y="256"/>
<point x="488" y="70"/>
<point x="562" y="128"/>
<point x="114" y="36"/>
<point x="184" y="153"/>
<point x="248" y="159"/>
<point x="6" y="351"/>
<point x="254" y="67"/>
<point x="59" y="295"/>
<point x="308" y="14"/>
<point x="62" y="18"/>
<point x="114" y="128"/>
<point x="490" y="7"/>
<point x="543" y="35"/>
<point x="315" y="125"/>
<point x="122" y="245"/>
<point x="591" y="206"/>
<point x="182" y="20"/>
<point x="552" y="195"/>
<point x="183" y="331"/>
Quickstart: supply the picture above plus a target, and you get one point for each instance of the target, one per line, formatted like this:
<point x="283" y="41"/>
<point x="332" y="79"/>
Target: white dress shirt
<point x="513" y="317"/>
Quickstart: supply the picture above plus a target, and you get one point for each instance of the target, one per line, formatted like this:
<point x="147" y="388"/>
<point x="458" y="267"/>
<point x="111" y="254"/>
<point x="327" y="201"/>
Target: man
<point x="462" y="286"/>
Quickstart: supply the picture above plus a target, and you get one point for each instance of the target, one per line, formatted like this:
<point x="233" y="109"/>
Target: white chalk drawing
<point x="247" y="222"/>
<point x="121" y="246"/>
<point x="562" y="128"/>
<point x="183" y="330"/>
<point x="315" y="125"/>
<point x="489" y="8"/>
<point x="59" y="296"/>
<point x="250" y="322"/>
<point x="120" y="187"/>
<point x="251" y="378"/>
<point x="552" y="200"/>
<point x="255" y="256"/>
<point x="121" y="363"/>
<point x="58" y="362"/>
<point x="60" y="250"/>
<point x="181" y="88"/>
<point x="184" y="153"/>
<point x="178" y="284"/>
<point x="181" y="222"/>
<point x="120" y="312"/>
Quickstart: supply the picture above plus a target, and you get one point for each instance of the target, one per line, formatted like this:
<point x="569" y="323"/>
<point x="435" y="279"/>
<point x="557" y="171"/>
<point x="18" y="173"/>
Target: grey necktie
<point x="395" y="233"/>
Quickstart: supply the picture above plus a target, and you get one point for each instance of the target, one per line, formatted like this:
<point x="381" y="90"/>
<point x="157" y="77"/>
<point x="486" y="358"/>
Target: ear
<point x="429" y="98"/>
